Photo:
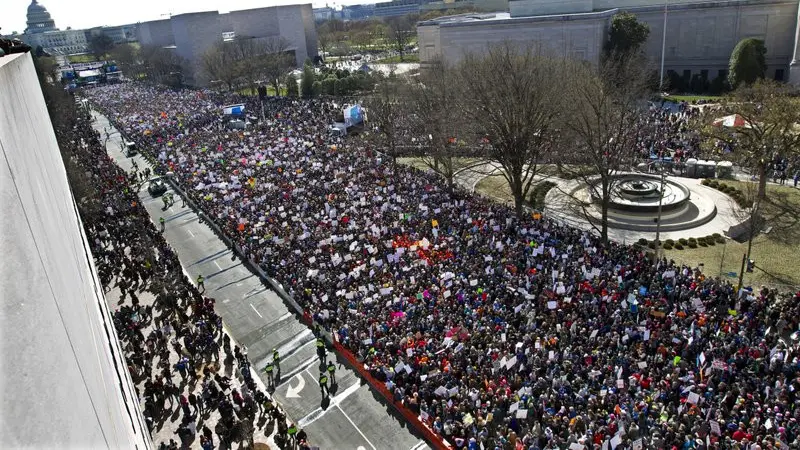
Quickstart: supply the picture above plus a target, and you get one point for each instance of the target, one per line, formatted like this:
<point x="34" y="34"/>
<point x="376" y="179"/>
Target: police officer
<point x="170" y="198"/>
<point x="332" y="372"/>
<point x="321" y="349"/>
<point x="165" y="199"/>
<point x="162" y="222"/>
<point x="292" y="432"/>
<point x="276" y="359"/>
<point x="200" y="283"/>
<point x="323" y="385"/>
<point x="268" y="370"/>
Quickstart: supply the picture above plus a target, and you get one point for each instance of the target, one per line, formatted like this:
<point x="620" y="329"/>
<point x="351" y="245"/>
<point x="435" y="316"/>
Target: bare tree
<point x="400" y="30"/>
<point x="219" y="66"/>
<point x="435" y="115"/>
<point x="516" y="111"/>
<point x="277" y="62"/>
<point x="602" y="107"/>
<point x="162" y="65"/>
<point x="769" y="117"/>
<point x="386" y="111"/>
<point x="324" y="37"/>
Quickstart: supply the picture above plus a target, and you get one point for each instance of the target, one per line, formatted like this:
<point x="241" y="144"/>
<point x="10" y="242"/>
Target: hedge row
<point x="682" y="243"/>
<point x="738" y="196"/>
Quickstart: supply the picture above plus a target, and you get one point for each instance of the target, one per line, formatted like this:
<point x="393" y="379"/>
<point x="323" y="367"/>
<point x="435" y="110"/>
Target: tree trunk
<point x="519" y="198"/>
<point x="762" y="181"/>
<point x="518" y="206"/>
<point x="604" y="209"/>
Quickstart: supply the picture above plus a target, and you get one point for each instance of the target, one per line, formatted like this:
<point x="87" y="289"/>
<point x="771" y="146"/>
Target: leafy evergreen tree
<point x="748" y="62"/>
<point x="291" y="86"/>
<point x="307" y="82"/>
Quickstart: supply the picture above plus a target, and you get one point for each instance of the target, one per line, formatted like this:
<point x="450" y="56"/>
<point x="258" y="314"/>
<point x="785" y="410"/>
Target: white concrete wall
<point x="63" y="383"/>
<point x="580" y="39"/>
<point x="194" y="34"/>
<point x="527" y="8"/>
<point x="703" y="38"/>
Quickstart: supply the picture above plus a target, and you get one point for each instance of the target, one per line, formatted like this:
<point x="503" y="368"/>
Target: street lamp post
<point x="658" y="218"/>
<point x="663" y="47"/>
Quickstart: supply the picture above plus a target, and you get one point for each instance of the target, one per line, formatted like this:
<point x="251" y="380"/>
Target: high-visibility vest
<point x="320" y="343"/>
<point x="331" y="368"/>
<point x="275" y="356"/>
<point x="323" y="380"/>
<point x="292" y="430"/>
<point x="199" y="279"/>
<point x="268" y="369"/>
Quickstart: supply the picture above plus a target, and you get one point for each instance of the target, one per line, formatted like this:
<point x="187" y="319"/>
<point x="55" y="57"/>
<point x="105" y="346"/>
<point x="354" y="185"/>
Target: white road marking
<point x="354" y="426"/>
<point x="420" y="445"/>
<point x="294" y="392"/>
<point x="313" y="416"/>
<point x="254" y="309"/>
<point x="217" y="264"/>
<point x="190" y="232"/>
<point x="302" y="367"/>
<point x="289" y="346"/>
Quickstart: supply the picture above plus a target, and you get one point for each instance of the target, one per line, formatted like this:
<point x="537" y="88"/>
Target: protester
<point x="172" y="346"/>
<point x="497" y="331"/>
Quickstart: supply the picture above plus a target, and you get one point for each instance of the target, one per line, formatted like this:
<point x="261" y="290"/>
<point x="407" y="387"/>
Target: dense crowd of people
<point x="182" y="362"/>
<point x="498" y="331"/>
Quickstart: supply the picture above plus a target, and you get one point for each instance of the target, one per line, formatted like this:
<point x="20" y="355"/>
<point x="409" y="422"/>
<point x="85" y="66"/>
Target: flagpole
<point x="663" y="47"/>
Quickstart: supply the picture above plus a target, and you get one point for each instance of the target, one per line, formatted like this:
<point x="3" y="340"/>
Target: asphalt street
<point x="352" y="418"/>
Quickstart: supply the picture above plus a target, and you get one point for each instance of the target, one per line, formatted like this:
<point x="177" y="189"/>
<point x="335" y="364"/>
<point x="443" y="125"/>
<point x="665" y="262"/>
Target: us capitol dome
<point x="39" y="20"/>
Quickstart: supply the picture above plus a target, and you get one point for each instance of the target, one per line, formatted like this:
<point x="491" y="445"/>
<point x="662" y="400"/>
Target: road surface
<point x="353" y="418"/>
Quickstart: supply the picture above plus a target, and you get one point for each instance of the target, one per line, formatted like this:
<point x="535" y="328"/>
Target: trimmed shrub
<point x="652" y="245"/>
<point x="642" y="241"/>
<point x="716" y="235"/>
<point x="678" y="246"/>
<point x="670" y="242"/>
<point x="691" y="239"/>
<point x="667" y="246"/>
<point x="720" y="240"/>
<point x="683" y="241"/>
<point x="705" y="182"/>
<point x="692" y="244"/>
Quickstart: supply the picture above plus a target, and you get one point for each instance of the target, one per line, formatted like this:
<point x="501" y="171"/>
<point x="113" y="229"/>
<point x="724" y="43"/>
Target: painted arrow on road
<point x="294" y="392"/>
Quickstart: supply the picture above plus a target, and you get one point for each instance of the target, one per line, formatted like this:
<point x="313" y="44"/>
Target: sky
<point x="91" y="13"/>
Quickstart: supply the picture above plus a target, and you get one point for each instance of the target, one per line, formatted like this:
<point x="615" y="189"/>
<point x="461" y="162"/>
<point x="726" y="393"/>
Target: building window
<point x="778" y="74"/>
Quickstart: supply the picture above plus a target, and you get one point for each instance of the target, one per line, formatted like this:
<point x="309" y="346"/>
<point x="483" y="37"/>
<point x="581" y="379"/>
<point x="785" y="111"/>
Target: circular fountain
<point x="634" y="203"/>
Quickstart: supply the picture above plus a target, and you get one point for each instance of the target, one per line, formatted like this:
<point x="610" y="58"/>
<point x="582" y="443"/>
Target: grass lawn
<point x="775" y="253"/>
<point x="420" y="164"/>
<point x="411" y="58"/>
<point x="81" y="58"/>
<point x="270" y="91"/>
<point x="691" y="98"/>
